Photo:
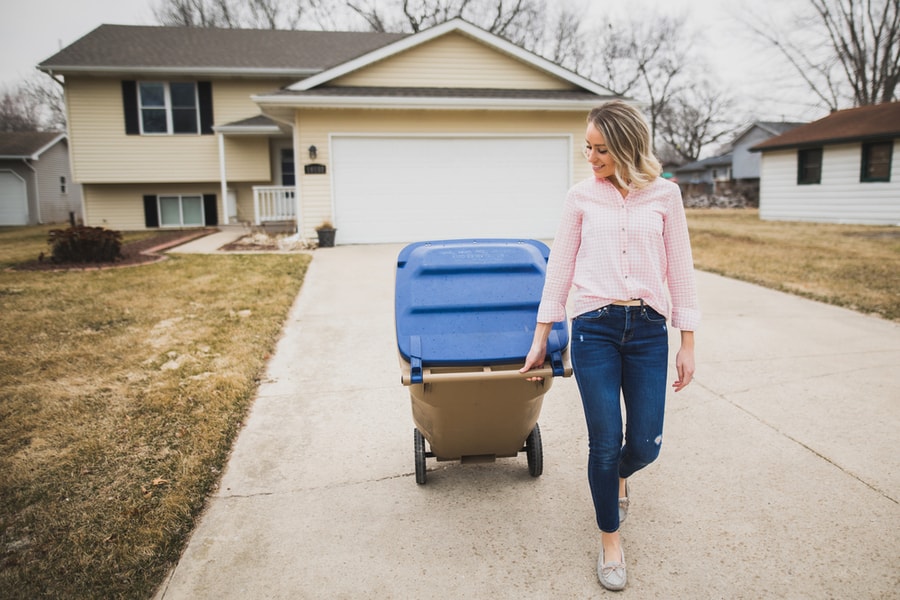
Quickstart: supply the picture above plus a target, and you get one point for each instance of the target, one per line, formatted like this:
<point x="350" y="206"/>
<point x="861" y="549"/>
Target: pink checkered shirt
<point x="611" y="248"/>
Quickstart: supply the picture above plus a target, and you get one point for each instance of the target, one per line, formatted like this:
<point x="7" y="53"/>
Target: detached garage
<point x="35" y="180"/>
<point x="13" y="199"/>
<point x="448" y="133"/>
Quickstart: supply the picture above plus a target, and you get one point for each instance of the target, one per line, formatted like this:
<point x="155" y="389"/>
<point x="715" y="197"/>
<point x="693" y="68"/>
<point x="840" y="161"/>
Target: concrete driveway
<point x="779" y="475"/>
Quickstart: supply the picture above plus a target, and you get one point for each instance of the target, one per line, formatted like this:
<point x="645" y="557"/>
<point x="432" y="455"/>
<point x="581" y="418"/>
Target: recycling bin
<point x="465" y="313"/>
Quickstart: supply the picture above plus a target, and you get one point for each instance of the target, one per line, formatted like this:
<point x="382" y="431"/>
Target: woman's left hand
<point x="684" y="361"/>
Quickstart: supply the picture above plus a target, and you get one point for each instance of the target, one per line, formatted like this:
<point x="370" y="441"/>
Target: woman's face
<point x="595" y="151"/>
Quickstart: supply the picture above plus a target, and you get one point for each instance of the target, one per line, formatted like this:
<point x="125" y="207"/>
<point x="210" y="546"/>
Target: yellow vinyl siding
<point x="316" y="126"/>
<point x="121" y="207"/>
<point x="103" y="153"/>
<point x="456" y="61"/>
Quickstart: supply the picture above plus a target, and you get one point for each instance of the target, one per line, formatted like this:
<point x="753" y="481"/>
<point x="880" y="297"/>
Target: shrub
<point x="85" y="244"/>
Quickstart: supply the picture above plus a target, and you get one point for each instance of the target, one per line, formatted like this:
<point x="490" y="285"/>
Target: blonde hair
<point x="627" y="136"/>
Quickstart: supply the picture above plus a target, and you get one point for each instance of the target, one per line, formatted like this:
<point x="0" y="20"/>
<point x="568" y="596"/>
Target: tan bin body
<point x="476" y="414"/>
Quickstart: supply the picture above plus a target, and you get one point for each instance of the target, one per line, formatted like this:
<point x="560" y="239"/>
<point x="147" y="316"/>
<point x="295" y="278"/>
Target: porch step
<point x="279" y="226"/>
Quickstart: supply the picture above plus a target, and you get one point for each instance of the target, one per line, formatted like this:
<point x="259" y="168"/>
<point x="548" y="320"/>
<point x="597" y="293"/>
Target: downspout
<point x="37" y="190"/>
<point x="223" y="180"/>
<point x="298" y="206"/>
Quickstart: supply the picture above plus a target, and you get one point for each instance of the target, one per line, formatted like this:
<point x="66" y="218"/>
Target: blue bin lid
<point x="471" y="301"/>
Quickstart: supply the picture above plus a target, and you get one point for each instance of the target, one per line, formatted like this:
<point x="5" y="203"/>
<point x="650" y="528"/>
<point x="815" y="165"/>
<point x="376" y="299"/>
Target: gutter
<point x="187" y="71"/>
<point x="413" y="103"/>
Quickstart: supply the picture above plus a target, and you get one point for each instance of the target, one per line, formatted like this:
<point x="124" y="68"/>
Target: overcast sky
<point x="33" y="30"/>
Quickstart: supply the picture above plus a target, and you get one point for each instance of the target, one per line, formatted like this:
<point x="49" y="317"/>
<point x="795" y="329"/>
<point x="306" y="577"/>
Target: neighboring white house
<point x="840" y="169"/>
<point x="35" y="180"/>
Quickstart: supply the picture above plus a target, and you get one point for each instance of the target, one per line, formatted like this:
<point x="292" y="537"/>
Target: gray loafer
<point x="612" y="574"/>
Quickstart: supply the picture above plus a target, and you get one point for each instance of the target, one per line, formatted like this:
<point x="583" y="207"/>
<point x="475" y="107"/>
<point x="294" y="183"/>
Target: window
<point x="62" y="184"/>
<point x="876" y="161"/>
<point x="287" y="167"/>
<point x="159" y="108"/>
<point x="168" y="107"/>
<point x="181" y="211"/>
<point x="809" y="166"/>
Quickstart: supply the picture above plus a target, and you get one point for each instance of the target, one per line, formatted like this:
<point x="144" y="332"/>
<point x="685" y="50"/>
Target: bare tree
<point x="514" y="20"/>
<point x="35" y="104"/>
<point x="859" y="61"/>
<point x="695" y="119"/>
<point x="231" y="14"/>
<point x="650" y="58"/>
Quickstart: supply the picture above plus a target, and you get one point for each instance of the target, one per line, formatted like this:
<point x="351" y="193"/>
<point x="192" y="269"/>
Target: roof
<point x="723" y="160"/>
<point x="461" y="26"/>
<point x="851" y="125"/>
<point x="772" y="128"/>
<point x="258" y="125"/>
<point x="196" y="50"/>
<point x="27" y="144"/>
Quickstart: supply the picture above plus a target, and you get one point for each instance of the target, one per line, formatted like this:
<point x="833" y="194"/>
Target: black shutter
<point x="130" y="106"/>
<point x="204" y="95"/>
<point x="210" y="210"/>
<point x="151" y="212"/>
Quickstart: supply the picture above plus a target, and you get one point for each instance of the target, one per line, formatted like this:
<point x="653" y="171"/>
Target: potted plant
<point x="326" y="232"/>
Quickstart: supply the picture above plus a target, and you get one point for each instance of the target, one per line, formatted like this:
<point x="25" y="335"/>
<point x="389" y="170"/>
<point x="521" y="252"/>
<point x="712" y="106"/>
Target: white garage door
<point x="13" y="199"/>
<point x="403" y="189"/>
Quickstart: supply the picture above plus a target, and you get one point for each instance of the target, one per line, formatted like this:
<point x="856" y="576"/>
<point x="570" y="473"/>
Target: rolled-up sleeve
<point x="680" y="268"/>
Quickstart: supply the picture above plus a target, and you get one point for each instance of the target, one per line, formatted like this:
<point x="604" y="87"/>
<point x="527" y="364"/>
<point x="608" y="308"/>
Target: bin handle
<point x="485" y="373"/>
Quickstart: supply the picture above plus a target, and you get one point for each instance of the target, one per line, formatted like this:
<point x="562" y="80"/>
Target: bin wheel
<point x="535" y="452"/>
<point x="419" y="442"/>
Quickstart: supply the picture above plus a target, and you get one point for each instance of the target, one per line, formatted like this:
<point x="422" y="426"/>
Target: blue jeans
<point x="620" y="348"/>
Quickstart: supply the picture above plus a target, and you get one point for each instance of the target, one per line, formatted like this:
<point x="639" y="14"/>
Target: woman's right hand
<point x="538" y="352"/>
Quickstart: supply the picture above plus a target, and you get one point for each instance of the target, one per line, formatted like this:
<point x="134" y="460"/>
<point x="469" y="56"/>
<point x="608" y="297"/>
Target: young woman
<point x="623" y="244"/>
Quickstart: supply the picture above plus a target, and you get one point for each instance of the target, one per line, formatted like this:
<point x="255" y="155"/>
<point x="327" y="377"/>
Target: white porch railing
<point x="273" y="203"/>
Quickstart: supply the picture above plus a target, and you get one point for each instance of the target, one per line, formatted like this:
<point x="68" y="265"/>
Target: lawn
<point x="855" y="266"/>
<point x="122" y="390"/>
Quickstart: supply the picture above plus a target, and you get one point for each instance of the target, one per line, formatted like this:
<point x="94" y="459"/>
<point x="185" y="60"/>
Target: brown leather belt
<point x="628" y="302"/>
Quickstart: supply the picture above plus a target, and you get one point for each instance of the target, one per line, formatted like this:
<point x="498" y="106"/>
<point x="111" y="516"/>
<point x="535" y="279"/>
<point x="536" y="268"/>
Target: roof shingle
<point x="25" y="144"/>
<point x="854" y="124"/>
<point x="134" y="48"/>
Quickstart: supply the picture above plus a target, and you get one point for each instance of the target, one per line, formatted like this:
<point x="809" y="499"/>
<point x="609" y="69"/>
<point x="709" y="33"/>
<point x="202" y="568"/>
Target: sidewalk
<point x="779" y="461"/>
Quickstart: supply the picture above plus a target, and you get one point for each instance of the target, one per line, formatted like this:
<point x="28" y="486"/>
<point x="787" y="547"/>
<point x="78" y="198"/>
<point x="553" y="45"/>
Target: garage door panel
<point x="13" y="199"/>
<point x="406" y="189"/>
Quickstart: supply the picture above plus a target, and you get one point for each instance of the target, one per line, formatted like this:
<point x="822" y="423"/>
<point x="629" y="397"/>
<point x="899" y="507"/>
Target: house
<point x="840" y="169"/>
<point x="744" y="163"/>
<point x="448" y="132"/>
<point x="734" y="171"/>
<point x="36" y="185"/>
<point x="705" y="176"/>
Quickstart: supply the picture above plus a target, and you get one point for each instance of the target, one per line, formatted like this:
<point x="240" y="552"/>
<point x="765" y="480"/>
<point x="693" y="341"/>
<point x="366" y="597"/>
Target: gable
<point x="453" y="60"/>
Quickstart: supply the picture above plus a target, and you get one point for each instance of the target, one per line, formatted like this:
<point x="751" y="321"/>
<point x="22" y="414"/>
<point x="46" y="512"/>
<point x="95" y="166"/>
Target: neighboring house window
<point x="876" y="161"/>
<point x="62" y="184"/>
<point x="809" y="166"/>
<point x="287" y="167"/>
<point x="167" y="107"/>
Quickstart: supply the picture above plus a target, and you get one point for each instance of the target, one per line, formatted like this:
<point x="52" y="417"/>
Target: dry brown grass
<point x="120" y="394"/>
<point x="856" y="266"/>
